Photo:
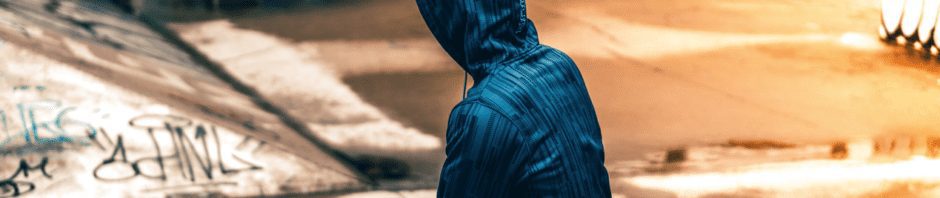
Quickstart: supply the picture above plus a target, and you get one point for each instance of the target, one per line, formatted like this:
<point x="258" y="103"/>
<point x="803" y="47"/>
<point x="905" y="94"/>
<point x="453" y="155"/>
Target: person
<point x="527" y="127"/>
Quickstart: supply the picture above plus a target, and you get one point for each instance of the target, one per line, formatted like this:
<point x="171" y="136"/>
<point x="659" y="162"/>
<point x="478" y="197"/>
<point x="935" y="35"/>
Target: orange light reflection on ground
<point x="810" y="178"/>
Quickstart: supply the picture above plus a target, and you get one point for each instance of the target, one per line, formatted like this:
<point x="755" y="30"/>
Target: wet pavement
<point x="662" y="74"/>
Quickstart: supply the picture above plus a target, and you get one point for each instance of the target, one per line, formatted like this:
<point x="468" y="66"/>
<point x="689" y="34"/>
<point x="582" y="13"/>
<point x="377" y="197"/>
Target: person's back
<point x="527" y="127"/>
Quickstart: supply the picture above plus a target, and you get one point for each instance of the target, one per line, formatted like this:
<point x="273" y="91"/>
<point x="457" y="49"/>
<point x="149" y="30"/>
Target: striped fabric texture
<point x="527" y="127"/>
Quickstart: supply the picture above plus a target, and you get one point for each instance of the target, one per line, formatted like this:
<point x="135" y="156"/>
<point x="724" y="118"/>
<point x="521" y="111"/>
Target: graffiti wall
<point x="100" y="103"/>
<point x="99" y="39"/>
<point x="65" y="133"/>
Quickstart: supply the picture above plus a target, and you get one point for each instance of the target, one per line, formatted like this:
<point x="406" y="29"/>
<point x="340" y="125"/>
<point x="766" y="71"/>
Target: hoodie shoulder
<point x="519" y="86"/>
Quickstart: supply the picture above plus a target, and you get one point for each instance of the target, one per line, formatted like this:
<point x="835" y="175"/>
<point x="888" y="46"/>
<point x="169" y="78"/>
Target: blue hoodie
<point x="527" y="127"/>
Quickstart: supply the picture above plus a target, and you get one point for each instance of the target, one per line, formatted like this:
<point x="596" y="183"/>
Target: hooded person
<point x="527" y="127"/>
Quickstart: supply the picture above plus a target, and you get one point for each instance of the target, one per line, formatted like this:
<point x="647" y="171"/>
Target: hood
<point x="480" y="34"/>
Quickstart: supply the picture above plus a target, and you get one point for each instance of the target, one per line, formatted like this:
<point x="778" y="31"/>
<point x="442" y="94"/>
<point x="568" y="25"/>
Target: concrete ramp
<point x="144" y="57"/>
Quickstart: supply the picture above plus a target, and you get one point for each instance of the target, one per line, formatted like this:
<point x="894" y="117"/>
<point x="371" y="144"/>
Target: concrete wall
<point x="183" y="128"/>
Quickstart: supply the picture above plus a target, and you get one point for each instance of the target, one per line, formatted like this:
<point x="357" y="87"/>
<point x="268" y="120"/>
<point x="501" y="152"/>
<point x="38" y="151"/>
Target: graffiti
<point x="11" y="187"/>
<point x="39" y="125"/>
<point x="28" y="87"/>
<point x="185" y="151"/>
<point x="195" y="148"/>
<point x="171" y="147"/>
<point x="35" y="129"/>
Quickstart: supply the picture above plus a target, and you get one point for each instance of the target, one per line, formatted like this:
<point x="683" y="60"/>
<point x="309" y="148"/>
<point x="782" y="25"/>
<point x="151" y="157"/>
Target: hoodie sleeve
<point x="482" y="147"/>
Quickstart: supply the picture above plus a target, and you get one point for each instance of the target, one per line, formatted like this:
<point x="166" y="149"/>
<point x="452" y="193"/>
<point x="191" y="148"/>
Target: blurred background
<point x="705" y="98"/>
